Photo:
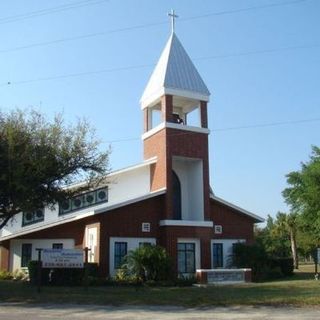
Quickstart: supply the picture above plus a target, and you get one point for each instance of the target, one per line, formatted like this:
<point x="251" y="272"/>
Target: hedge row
<point x="263" y="266"/>
<point x="62" y="276"/>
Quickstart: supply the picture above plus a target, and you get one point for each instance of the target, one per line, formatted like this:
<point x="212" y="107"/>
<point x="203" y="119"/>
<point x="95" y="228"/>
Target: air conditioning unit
<point x="102" y="195"/>
<point x="28" y="217"/>
<point x="89" y="199"/>
<point x="77" y="202"/>
<point x="38" y="214"/>
<point x="65" y="206"/>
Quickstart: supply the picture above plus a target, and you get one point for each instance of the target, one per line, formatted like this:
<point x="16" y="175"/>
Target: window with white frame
<point x="217" y="255"/>
<point x="186" y="258"/>
<point x="26" y="254"/>
<point x="120" y="251"/>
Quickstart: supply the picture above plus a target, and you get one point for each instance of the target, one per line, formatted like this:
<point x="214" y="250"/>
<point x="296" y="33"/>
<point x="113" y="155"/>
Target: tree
<point x="38" y="159"/>
<point x="287" y="225"/>
<point x="303" y="195"/>
<point x="276" y="243"/>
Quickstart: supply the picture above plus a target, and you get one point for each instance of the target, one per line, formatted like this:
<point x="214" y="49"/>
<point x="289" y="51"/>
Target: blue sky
<point x="260" y="60"/>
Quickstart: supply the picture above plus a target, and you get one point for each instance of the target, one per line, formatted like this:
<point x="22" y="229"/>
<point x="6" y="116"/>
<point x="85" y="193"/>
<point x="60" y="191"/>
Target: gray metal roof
<point x="175" y="71"/>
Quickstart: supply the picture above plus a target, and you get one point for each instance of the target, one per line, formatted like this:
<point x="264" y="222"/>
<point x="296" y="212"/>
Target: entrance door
<point x="92" y="234"/>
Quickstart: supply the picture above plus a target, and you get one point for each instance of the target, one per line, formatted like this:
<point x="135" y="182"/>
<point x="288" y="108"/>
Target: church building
<point x="164" y="200"/>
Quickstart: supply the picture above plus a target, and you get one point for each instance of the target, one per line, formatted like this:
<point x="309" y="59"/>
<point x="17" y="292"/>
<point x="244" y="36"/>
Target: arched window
<point x="176" y="189"/>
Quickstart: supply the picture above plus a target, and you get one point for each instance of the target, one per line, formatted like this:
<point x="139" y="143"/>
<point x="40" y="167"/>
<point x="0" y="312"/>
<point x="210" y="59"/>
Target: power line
<point x="83" y="36"/>
<point x="42" y="12"/>
<point x="136" y="67"/>
<point x="264" y="125"/>
<point x="252" y="8"/>
<point x="78" y="74"/>
<point x="143" y="26"/>
<point x="262" y="51"/>
<point x="250" y="126"/>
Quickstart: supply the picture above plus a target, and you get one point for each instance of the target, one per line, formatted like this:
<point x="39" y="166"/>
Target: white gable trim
<point x="248" y="213"/>
<point x="70" y="217"/>
<point x="186" y="223"/>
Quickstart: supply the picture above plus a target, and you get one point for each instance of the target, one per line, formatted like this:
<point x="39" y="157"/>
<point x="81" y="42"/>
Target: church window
<point x="84" y="200"/>
<point x="186" y="258"/>
<point x="217" y="255"/>
<point x="57" y="246"/>
<point x="120" y="251"/>
<point x="26" y="254"/>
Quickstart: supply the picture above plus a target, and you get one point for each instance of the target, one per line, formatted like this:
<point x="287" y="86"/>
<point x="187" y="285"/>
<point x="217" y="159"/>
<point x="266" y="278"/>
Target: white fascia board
<point x="154" y="130"/>
<point x="70" y="218"/>
<point x="156" y="95"/>
<point x="33" y="228"/>
<point x="177" y="126"/>
<point x="231" y="205"/>
<point x="133" y="167"/>
<point x="152" y="98"/>
<point x="186" y="223"/>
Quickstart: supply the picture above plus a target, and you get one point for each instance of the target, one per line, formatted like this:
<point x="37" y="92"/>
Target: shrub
<point x="20" y="275"/>
<point x="62" y="276"/>
<point x="5" y="275"/>
<point x="263" y="266"/>
<point x="284" y="264"/>
<point x="251" y="256"/>
<point x="148" y="262"/>
<point x="33" y="273"/>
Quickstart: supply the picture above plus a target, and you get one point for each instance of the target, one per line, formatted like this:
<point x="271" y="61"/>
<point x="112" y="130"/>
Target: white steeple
<point x="174" y="74"/>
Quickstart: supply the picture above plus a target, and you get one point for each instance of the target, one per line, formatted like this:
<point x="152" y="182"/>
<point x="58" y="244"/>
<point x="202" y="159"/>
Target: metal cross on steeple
<point x="172" y="15"/>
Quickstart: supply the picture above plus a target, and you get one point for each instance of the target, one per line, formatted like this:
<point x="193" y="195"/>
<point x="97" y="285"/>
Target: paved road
<point x="68" y="312"/>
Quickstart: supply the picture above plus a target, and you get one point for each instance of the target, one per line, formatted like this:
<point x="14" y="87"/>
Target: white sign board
<point x="62" y="258"/>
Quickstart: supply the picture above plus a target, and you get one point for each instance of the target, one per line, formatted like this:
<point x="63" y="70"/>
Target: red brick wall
<point x="122" y="222"/>
<point x="191" y="145"/>
<point x="169" y="239"/>
<point x="126" y="222"/>
<point x="156" y="146"/>
<point x="235" y="224"/>
<point x="172" y="142"/>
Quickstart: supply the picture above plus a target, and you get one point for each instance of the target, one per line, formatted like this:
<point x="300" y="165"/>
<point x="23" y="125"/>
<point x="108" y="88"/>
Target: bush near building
<point x="264" y="267"/>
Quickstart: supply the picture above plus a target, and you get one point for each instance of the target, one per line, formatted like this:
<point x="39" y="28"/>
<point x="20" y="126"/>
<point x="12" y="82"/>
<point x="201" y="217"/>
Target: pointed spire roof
<point x="174" y="74"/>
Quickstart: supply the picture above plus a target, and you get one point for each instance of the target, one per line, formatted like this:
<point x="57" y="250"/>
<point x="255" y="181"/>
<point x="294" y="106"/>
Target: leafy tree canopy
<point x="38" y="158"/>
<point x="303" y="194"/>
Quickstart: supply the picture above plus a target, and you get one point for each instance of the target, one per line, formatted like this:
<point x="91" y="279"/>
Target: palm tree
<point x="288" y="224"/>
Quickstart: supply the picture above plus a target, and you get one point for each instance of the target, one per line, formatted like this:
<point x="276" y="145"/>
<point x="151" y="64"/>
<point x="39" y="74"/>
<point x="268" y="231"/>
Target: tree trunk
<point x="294" y="249"/>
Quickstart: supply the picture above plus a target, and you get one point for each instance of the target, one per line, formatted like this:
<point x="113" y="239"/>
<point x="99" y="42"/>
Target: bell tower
<point x="174" y="106"/>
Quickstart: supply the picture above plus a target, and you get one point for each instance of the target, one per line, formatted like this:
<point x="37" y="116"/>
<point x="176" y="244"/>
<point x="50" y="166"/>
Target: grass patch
<point x="299" y="290"/>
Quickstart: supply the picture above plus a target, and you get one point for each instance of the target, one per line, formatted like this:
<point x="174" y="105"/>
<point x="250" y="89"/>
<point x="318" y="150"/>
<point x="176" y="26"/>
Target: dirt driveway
<point x="68" y="312"/>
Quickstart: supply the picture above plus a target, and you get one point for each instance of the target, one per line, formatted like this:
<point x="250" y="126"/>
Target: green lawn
<point x="300" y="290"/>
